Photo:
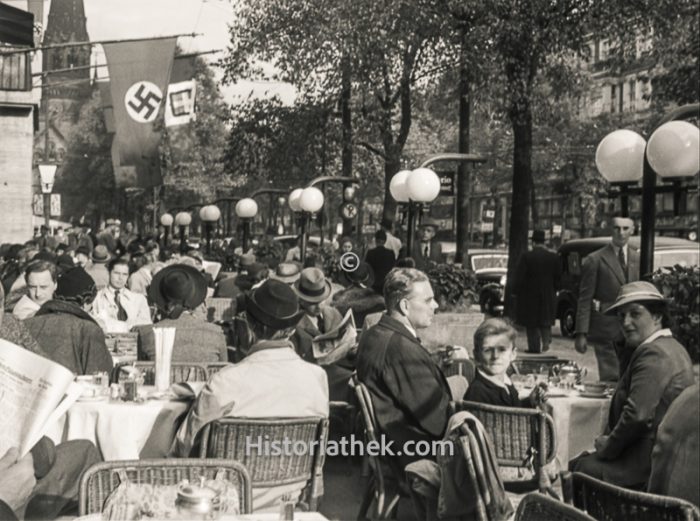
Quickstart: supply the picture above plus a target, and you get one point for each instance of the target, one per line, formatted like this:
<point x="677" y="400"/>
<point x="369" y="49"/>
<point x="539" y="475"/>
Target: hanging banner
<point x="179" y="108"/>
<point x="139" y="73"/>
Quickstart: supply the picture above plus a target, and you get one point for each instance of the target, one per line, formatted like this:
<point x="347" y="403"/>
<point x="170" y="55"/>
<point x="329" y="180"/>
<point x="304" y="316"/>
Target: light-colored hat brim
<point x="636" y="296"/>
<point x="287" y="279"/>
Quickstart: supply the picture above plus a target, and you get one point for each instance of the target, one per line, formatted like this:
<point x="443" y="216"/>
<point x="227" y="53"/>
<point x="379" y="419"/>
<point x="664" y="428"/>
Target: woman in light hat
<point x="659" y="369"/>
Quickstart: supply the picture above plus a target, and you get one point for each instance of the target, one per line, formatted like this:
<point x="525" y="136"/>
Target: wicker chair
<point x="606" y="502"/>
<point x="539" y="507"/>
<point x="215" y="367"/>
<point x="219" y="309"/>
<point x="386" y="484"/>
<point x="227" y="438"/>
<point x="523" y="438"/>
<point x="179" y="372"/>
<point x="101" y="479"/>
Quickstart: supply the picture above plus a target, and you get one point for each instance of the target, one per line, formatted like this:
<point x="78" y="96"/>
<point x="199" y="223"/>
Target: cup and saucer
<point x="597" y="390"/>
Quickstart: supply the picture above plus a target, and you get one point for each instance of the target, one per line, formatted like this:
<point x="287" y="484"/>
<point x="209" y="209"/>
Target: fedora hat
<point x="639" y="291"/>
<point x="100" y="254"/>
<point x="247" y="260"/>
<point x="429" y="221"/>
<point x="274" y="304"/>
<point x="312" y="286"/>
<point x="287" y="272"/>
<point x="363" y="274"/>
<point x="178" y="284"/>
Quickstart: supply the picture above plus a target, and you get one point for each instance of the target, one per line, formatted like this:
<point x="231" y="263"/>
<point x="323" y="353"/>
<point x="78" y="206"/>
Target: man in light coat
<point x="603" y="273"/>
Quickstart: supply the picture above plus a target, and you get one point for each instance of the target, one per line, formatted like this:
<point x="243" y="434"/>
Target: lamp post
<point x="281" y="201"/>
<point x="671" y="153"/>
<point x="183" y="220"/>
<point x="209" y="215"/>
<point x="167" y="221"/>
<point x="246" y="210"/>
<point x="414" y="187"/>
<point x="348" y="209"/>
<point x="305" y="202"/>
<point x="47" y="174"/>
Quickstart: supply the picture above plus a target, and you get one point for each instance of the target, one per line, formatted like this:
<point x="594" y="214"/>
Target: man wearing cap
<point x="98" y="269"/>
<point x="313" y="290"/>
<point x="178" y="291"/>
<point x="426" y="249"/>
<point x="41" y="276"/>
<point x="271" y="382"/>
<point x="603" y="273"/>
<point x="46" y="241"/>
<point x="119" y="308"/>
<point x="64" y="328"/>
<point x="536" y="282"/>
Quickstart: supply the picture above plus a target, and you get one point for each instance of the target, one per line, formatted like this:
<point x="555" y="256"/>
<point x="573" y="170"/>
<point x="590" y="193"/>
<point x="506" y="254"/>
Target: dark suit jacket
<point x="382" y="260"/>
<point x="409" y="392"/>
<point x="657" y="373"/>
<point x="536" y="282"/>
<point x="422" y="261"/>
<point x="601" y="279"/>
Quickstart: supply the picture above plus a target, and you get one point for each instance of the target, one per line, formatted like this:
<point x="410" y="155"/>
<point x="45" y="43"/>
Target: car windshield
<point x="667" y="259"/>
<point x="489" y="261"/>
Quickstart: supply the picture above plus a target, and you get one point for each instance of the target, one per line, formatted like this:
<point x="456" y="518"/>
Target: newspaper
<point x="34" y="393"/>
<point x="337" y="343"/>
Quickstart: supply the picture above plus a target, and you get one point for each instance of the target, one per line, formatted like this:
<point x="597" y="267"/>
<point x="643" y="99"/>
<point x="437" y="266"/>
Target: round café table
<point x="123" y="430"/>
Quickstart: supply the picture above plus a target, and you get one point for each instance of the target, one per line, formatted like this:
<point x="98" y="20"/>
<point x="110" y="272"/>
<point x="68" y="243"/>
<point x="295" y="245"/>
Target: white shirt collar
<point x="506" y="379"/>
<point x="408" y="326"/>
<point x="658" y="334"/>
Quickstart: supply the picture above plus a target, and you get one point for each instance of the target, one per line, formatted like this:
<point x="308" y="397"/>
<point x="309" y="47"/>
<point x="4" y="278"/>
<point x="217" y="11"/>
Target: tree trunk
<point x="521" y="120"/>
<point x="346" y="119"/>
<point x="463" y="180"/>
<point x="392" y="164"/>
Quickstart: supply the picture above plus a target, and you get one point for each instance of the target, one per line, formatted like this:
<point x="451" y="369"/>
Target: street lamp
<point x="167" y="221"/>
<point x="305" y="202"/>
<point x="414" y="187"/>
<point x="246" y="210"/>
<point x="620" y="160"/>
<point x="671" y="153"/>
<point x="183" y="220"/>
<point x="209" y="215"/>
<point x="47" y="174"/>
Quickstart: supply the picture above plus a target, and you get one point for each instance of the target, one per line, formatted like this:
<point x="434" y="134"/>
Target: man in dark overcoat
<point x="536" y="282"/>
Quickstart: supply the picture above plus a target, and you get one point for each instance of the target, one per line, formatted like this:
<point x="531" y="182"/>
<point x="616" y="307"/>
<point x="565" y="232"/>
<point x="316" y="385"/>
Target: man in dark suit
<point x="603" y="273"/>
<point x="536" y="282"/>
<point x="409" y="392"/>
<point x="425" y="248"/>
<point x="381" y="259"/>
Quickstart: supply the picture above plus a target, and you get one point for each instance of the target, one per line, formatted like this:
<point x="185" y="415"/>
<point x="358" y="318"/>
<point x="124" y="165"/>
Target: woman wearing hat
<point x="178" y="291"/>
<point x="659" y="369"/>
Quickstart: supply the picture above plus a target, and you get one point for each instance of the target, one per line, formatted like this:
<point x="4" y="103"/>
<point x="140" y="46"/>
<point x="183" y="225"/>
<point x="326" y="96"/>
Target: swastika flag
<point x="139" y="72"/>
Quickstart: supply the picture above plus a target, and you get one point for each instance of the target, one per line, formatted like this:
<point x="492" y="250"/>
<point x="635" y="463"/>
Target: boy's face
<point x="497" y="354"/>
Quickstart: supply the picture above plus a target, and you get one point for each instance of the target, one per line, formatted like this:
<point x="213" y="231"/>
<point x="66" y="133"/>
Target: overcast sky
<point x="115" y="19"/>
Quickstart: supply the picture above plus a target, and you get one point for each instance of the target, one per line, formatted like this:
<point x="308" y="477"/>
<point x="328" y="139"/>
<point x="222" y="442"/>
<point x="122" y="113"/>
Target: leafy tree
<point x="86" y="179"/>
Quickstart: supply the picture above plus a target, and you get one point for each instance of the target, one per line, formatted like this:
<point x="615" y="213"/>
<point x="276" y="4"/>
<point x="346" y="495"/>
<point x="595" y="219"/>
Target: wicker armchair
<point x="539" y="507"/>
<point x="101" y="479"/>
<point x="179" y="372"/>
<point x="215" y="367"/>
<point x="219" y="309"/>
<point x="386" y="484"/>
<point x="606" y="502"/>
<point x="227" y="438"/>
<point x="523" y="438"/>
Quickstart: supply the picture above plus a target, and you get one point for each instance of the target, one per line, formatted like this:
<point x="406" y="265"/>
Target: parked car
<point x="668" y="252"/>
<point x="490" y="267"/>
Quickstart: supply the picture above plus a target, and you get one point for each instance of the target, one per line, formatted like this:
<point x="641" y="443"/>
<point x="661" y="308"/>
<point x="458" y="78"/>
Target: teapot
<point x="569" y="370"/>
<point x="197" y="501"/>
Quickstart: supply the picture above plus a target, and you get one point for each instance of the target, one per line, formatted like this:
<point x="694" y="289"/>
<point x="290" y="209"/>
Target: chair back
<point x="98" y="482"/>
<point x="179" y="372"/>
<point x="215" y="367"/>
<point x="230" y="439"/>
<point x="219" y="309"/>
<point x="522" y="437"/>
<point x="539" y="507"/>
<point x="607" y="502"/>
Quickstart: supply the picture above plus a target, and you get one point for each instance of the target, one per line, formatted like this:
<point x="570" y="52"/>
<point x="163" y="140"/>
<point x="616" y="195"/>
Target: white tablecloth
<point x="298" y="516"/>
<point x="578" y="422"/>
<point x="121" y="430"/>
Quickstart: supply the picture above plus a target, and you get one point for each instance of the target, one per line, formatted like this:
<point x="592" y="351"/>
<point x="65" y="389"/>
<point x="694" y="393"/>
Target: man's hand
<point x="600" y="443"/>
<point x="580" y="343"/>
<point x="16" y="479"/>
<point x="538" y="396"/>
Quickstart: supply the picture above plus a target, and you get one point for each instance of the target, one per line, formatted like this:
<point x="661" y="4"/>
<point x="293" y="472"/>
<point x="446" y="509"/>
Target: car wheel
<point x="567" y="322"/>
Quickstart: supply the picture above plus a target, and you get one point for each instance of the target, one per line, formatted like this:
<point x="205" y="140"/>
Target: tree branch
<point x="372" y="149"/>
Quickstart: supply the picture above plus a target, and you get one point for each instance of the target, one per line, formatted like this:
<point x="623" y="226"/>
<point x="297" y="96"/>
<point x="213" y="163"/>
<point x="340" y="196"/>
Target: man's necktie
<point x="121" y="312"/>
<point x="426" y="251"/>
<point x="623" y="264"/>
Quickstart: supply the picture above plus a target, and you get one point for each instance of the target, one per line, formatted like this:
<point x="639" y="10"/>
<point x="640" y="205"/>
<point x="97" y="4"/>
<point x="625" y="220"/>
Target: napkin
<point x="164" y="339"/>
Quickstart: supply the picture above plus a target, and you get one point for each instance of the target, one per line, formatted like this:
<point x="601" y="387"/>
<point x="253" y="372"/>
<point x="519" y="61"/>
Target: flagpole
<point x="101" y="42"/>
